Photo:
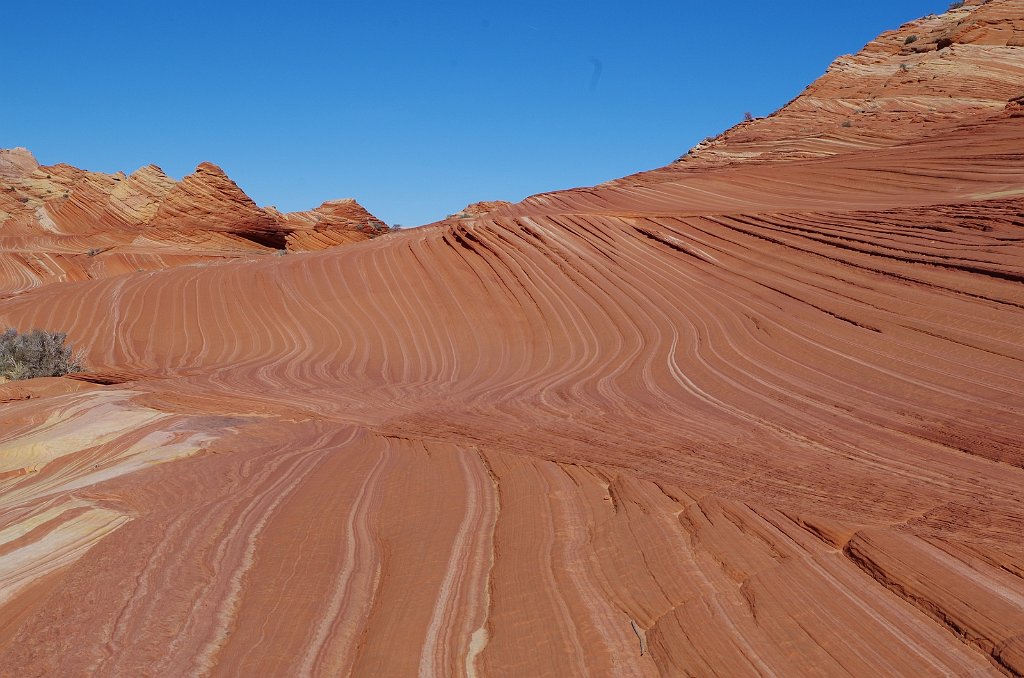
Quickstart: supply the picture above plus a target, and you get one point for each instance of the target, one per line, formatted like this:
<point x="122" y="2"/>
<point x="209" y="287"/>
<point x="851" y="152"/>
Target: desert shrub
<point x="956" y="5"/>
<point x="36" y="354"/>
<point x="910" y="39"/>
<point x="748" y="116"/>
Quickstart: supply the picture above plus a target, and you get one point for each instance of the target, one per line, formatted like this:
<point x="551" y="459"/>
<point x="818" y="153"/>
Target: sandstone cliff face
<point x="757" y="413"/>
<point x="61" y="223"/>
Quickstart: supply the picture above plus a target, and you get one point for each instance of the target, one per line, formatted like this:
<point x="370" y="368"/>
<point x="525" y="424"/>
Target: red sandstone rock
<point x="60" y="223"/>
<point x="208" y="200"/>
<point x="741" y="416"/>
<point x="334" y="222"/>
<point x="477" y="209"/>
<point x="890" y="92"/>
<point x="16" y="163"/>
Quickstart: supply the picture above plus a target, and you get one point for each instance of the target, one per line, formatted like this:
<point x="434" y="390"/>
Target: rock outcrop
<point x="61" y="224"/>
<point x="335" y="222"/>
<point x="757" y="413"/>
<point x="207" y="199"/>
<point x="908" y="83"/>
<point x="16" y="163"/>
<point x="477" y="209"/>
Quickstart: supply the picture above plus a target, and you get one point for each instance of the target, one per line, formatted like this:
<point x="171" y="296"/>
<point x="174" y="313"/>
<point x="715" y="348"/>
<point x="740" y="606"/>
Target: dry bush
<point x="36" y="354"/>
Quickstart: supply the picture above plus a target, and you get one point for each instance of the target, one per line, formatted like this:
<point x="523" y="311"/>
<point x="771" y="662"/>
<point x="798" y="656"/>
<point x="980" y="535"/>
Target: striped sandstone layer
<point x="62" y="224"/>
<point x="756" y="413"/>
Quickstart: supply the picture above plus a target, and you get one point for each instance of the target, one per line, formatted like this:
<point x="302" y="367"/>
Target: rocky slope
<point x="756" y="413"/>
<point x="61" y="224"/>
<point x="905" y="84"/>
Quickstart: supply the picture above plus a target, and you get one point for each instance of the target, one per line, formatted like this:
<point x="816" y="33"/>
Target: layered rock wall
<point x="59" y="223"/>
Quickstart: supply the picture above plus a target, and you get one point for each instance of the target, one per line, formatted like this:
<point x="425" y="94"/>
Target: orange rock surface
<point x="756" y="413"/>
<point x="63" y="224"/>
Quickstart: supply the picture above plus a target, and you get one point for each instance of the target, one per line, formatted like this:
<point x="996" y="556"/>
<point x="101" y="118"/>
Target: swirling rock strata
<point x="907" y="83"/>
<point x="752" y="417"/>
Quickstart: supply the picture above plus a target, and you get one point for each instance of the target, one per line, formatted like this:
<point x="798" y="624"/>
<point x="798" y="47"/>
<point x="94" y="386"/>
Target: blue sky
<point x="414" y="109"/>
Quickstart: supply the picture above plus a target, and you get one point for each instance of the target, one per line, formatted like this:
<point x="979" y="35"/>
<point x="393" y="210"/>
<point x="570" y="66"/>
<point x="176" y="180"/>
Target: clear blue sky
<point x="415" y="109"/>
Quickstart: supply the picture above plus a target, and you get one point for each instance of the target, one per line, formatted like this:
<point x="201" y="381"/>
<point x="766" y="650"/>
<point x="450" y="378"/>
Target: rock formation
<point x="905" y="84"/>
<point x="477" y="209"/>
<point x="335" y="222"/>
<point x="61" y="224"/>
<point x="760" y="412"/>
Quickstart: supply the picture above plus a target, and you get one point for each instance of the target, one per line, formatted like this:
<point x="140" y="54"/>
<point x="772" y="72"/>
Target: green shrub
<point x="36" y="354"/>
<point x="910" y="39"/>
<point x="956" y="5"/>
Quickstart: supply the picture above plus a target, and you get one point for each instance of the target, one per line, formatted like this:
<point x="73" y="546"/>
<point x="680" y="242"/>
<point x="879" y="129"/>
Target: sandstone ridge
<point x="59" y="223"/>
<point x="756" y="413"/>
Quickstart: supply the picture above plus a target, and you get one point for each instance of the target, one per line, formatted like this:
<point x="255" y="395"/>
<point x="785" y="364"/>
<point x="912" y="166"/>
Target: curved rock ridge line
<point x="921" y="79"/>
<point x="733" y="417"/>
<point x="60" y="224"/>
